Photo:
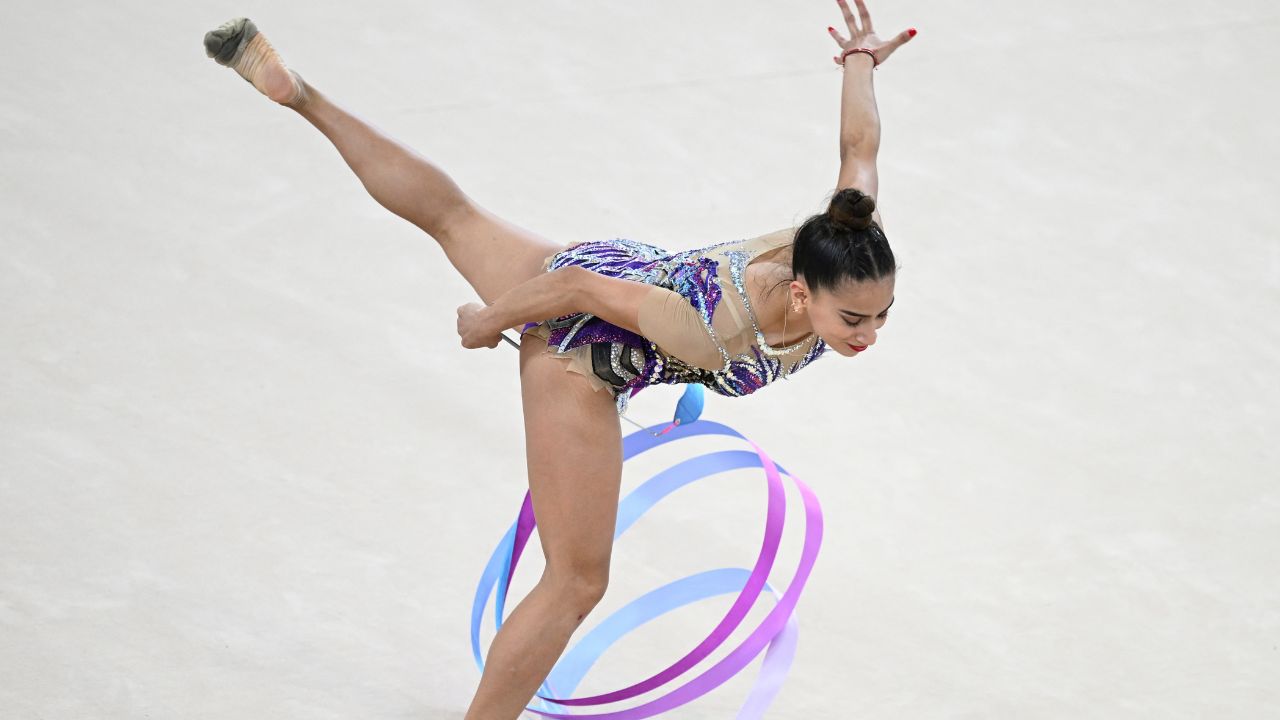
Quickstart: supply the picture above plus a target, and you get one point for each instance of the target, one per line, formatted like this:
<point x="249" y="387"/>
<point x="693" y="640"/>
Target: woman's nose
<point x="866" y="337"/>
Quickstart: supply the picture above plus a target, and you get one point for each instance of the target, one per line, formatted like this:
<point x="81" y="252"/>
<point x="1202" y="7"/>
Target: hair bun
<point x="852" y="207"/>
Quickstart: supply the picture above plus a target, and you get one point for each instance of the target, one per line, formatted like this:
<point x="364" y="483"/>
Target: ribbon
<point x="778" y="630"/>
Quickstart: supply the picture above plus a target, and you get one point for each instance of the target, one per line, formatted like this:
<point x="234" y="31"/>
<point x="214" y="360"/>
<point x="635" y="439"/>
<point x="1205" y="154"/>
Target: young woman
<point x="619" y="315"/>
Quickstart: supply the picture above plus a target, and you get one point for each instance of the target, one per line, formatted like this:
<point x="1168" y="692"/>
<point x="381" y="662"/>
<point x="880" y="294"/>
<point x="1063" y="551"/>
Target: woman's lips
<point x="859" y="348"/>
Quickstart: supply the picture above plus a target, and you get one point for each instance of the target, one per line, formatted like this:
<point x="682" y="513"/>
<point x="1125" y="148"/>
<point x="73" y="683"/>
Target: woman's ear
<point x="799" y="292"/>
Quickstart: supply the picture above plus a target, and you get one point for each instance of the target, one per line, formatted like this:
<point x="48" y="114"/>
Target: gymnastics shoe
<point x="238" y="45"/>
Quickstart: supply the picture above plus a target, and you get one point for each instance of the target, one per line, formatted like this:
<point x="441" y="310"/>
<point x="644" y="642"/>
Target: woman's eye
<point x="854" y="324"/>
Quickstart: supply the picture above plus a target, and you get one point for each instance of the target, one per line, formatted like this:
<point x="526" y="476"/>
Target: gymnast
<point x="601" y="320"/>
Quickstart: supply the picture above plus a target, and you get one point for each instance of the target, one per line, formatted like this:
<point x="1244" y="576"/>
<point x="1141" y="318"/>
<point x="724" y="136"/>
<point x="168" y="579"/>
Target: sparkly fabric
<point x="693" y="276"/>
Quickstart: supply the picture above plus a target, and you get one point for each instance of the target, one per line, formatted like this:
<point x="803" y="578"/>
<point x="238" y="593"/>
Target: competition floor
<point x="246" y="470"/>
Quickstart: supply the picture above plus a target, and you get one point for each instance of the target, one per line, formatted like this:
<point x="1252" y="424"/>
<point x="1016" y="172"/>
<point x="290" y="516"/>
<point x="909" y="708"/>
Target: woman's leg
<point x="490" y="253"/>
<point x="574" y="448"/>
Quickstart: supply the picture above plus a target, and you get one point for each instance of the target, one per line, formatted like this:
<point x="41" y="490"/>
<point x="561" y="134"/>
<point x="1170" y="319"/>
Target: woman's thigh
<point x="493" y="255"/>
<point x="574" y="448"/>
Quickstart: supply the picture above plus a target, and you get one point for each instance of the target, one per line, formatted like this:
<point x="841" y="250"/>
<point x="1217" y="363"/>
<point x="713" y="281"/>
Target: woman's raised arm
<point x="859" y="119"/>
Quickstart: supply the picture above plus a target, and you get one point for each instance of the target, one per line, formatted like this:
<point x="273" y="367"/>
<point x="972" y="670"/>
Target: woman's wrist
<point x="550" y="294"/>
<point x="858" y="62"/>
<point x="490" y="321"/>
<point x="859" y="55"/>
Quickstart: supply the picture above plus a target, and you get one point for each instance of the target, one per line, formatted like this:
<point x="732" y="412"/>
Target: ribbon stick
<point x="688" y="408"/>
<point x="778" y="631"/>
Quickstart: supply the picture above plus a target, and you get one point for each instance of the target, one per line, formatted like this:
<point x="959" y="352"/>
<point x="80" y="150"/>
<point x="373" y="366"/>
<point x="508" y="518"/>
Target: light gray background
<point x="248" y="471"/>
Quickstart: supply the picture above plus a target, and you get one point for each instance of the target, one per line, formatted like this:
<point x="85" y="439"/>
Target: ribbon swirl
<point x="778" y="630"/>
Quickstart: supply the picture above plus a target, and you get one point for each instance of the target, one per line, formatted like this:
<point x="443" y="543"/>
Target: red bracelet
<point x="874" y="60"/>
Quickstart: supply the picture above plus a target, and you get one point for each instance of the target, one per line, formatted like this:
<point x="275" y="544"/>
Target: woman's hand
<point x="474" y="329"/>
<point x="864" y="36"/>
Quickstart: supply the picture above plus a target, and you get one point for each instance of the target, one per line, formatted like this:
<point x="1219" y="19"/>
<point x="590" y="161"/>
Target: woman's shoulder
<point x="752" y="247"/>
<point x="777" y="238"/>
<point x="732" y="258"/>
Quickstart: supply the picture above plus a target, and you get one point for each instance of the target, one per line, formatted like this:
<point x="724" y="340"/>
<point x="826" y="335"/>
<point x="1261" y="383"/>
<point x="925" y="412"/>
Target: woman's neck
<point x="768" y="284"/>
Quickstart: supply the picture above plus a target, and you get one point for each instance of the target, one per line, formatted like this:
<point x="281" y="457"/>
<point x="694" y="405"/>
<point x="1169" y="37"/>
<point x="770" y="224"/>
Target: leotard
<point x="685" y="339"/>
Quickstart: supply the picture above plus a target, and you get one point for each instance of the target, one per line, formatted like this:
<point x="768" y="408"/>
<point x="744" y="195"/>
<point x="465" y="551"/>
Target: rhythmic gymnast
<point x="601" y="320"/>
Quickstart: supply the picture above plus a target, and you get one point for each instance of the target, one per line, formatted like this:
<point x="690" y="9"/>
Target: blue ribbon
<point x="781" y="632"/>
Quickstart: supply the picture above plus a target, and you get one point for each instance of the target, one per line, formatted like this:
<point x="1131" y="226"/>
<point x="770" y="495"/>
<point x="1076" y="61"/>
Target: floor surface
<point x="247" y="471"/>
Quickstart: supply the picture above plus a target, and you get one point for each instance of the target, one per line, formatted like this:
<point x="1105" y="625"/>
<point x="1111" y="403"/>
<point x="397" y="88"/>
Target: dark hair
<point x="842" y="244"/>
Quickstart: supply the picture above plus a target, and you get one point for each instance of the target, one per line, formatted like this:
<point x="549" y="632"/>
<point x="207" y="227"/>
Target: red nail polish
<point x="911" y="32"/>
<point x="830" y="29"/>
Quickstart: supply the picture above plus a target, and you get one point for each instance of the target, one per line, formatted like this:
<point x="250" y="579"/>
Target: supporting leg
<point x="574" y="445"/>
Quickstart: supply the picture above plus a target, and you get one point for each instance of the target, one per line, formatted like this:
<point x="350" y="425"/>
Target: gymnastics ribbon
<point x="778" y="630"/>
<point x="687" y="409"/>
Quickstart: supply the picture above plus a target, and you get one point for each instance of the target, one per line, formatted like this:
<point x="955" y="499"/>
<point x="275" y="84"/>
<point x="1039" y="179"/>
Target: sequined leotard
<point x="683" y="342"/>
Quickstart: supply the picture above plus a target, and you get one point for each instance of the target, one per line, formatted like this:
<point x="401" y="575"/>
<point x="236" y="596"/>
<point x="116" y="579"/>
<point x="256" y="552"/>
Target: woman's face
<point x="848" y="317"/>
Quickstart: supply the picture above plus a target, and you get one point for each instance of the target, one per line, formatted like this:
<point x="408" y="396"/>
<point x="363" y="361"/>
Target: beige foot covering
<point x="238" y="45"/>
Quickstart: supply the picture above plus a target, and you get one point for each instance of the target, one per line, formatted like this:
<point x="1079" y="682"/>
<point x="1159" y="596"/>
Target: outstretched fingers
<point x="848" y="16"/>
<point x="863" y="14"/>
<point x="863" y="34"/>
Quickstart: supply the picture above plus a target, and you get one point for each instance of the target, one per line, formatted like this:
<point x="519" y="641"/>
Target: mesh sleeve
<point x="674" y="325"/>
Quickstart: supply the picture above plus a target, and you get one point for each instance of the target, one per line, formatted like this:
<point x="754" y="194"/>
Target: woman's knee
<point x="582" y="585"/>
<point x="454" y="220"/>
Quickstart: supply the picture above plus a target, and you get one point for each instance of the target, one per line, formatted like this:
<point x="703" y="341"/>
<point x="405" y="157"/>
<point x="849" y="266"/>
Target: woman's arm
<point x="565" y="291"/>
<point x="859" y="127"/>
<point x="547" y="295"/>
<point x="653" y="312"/>
<point x="859" y="118"/>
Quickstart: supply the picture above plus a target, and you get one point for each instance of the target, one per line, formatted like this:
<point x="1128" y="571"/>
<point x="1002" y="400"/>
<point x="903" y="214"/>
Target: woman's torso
<point x="715" y="281"/>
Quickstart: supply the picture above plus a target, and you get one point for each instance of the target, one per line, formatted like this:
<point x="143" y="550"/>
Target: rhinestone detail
<point x="692" y="274"/>
<point x="738" y="260"/>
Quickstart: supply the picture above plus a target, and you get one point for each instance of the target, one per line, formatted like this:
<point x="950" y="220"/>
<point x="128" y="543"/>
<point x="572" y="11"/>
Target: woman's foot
<point x="238" y="45"/>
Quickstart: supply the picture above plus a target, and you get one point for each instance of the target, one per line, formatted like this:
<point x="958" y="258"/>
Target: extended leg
<point x="490" y="253"/>
<point x="574" y="446"/>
